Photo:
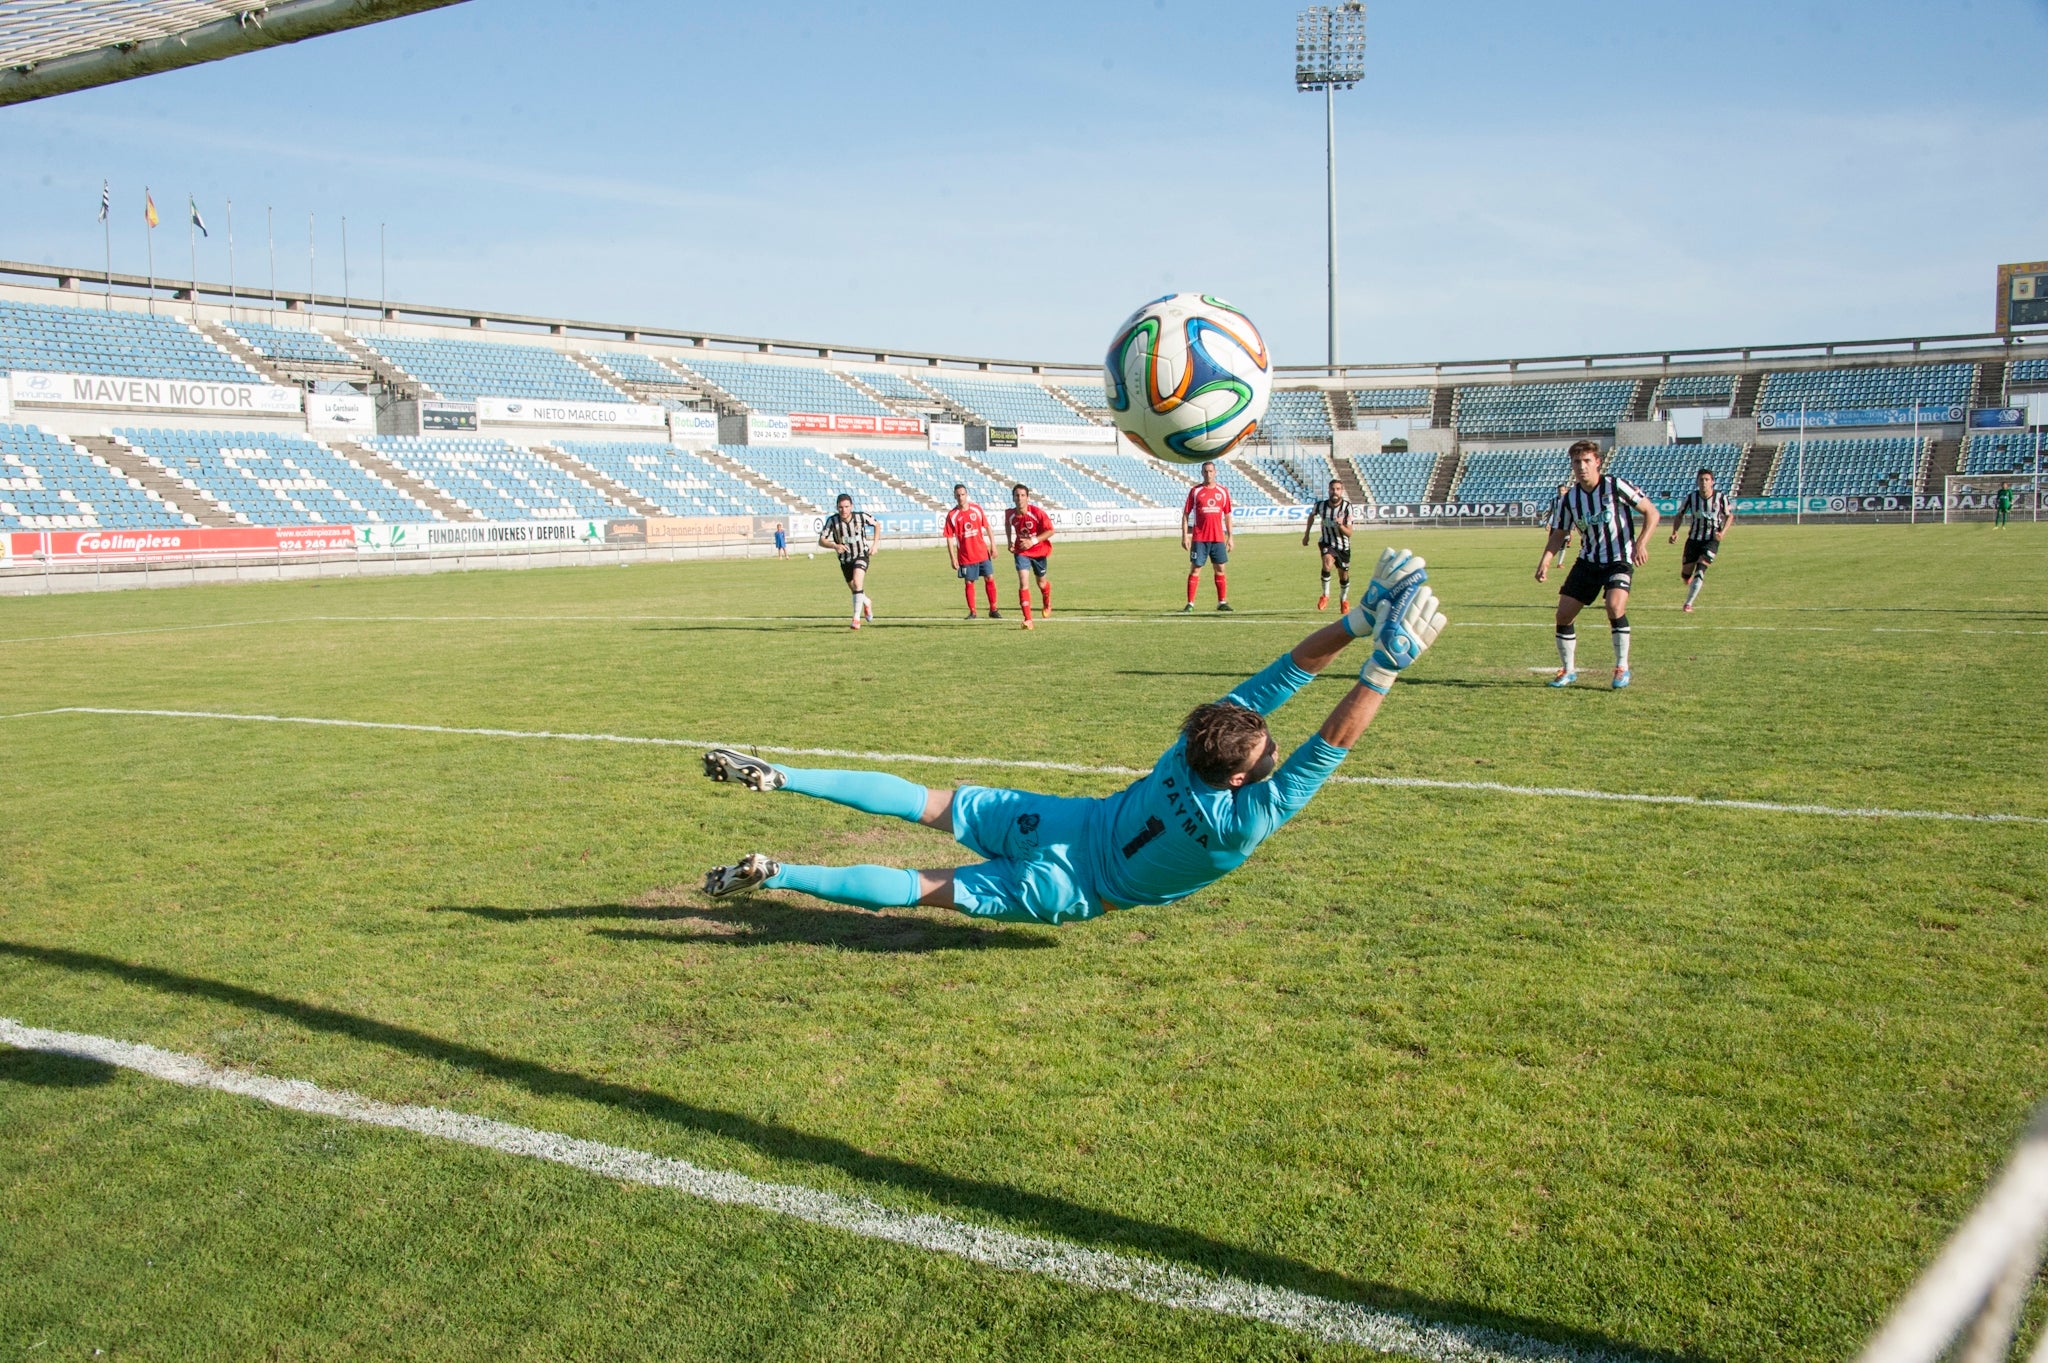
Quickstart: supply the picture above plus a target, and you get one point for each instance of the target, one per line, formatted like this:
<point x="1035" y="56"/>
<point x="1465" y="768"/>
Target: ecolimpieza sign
<point x="38" y="388"/>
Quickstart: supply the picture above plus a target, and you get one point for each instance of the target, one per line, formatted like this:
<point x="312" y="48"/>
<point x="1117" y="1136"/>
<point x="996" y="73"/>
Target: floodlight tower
<point x="1329" y="55"/>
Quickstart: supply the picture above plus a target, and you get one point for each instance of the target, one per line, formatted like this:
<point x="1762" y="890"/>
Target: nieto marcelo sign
<point x="34" y="388"/>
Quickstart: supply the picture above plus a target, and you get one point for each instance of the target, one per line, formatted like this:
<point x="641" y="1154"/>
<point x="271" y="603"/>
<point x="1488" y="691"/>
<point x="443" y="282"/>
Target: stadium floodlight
<point x="1329" y="55"/>
<point x="51" y="47"/>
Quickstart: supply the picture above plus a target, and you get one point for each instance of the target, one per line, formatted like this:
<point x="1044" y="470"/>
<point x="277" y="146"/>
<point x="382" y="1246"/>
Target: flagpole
<point x="344" y="269"/>
<point x="231" y="260"/>
<point x="107" y="230"/>
<point x="270" y="241"/>
<point x="383" y="294"/>
<point x="149" y="234"/>
<point x="192" y="235"/>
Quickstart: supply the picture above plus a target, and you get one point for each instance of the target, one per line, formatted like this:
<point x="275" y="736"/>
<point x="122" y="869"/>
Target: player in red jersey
<point x="1029" y="531"/>
<point x="1205" y="532"/>
<point x="970" y="547"/>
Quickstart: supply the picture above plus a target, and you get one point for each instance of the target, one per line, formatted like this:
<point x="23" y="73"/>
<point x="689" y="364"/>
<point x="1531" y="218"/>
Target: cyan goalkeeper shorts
<point x="1033" y="844"/>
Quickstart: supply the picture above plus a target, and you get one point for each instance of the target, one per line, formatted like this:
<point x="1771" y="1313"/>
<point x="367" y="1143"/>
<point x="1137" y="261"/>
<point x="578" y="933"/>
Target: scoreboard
<point x="2022" y="295"/>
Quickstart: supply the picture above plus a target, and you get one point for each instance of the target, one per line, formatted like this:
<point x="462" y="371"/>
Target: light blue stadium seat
<point x="115" y="343"/>
<point x="464" y="370"/>
<point x="1160" y="483"/>
<point x="1367" y="400"/>
<point x="892" y="385"/>
<point x="680" y="482"/>
<point x="1006" y="403"/>
<point x="637" y="368"/>
<point x="262" y="478"/>
<point x="1901" y="385"/>
<point x="1512" y="475"/>
<point x="1305" y="477"/>
<point x="1093" y="396"/>
<point x="2027" y="372"/>
<point x="1865" y="467"/>
<point x="1297" y="414"/>
<point x="495" y="478"/>
<point x="291" y="343"/>
<point x="1543" y="408"/>
<point x="2005" y="452"/>
<point x="47" y="483"/>
<point x="1673" y="470"/>
<point x="781" y="388"/>
<point x="934" y="474"/>
<point x="818" y="478"/>
<point x="1051" y="482"/>
<point x="1396" y="475"/>
<point x="1707" y="390"/>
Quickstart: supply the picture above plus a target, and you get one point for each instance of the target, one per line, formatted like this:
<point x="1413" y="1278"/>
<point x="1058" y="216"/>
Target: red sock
<point x="1024" y="600"/>
<point x="970" y="596"/>
<point x="1222" y="587"/>
<point x="1045" y="595"/>
<point x="1194" y="581"/>
<point x="988" y="585"/>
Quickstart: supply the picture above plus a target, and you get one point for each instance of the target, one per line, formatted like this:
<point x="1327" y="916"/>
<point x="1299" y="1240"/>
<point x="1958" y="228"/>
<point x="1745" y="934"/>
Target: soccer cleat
<point x="1029" y="625"/>
<point x="1621" y="678"/>
<point x="867" y="610"/>
<point x="724" y="764"/>
<point x="972" y="616"/>
<point x="855" y="624"/>
<point x="1323" y="602"/>
<point x="1225" y="606"/>
<point x="1563" y="678"/>
<point x="994" y="614"/>
<point x="1687" y="608"/>
<point x="747" y="874"/>
<point x="1045" y="612"/>
<point x="1188" y="609"/>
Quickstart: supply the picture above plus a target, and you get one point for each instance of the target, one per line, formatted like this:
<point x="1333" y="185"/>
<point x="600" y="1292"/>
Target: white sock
<point x="859" y="598"/>
<point x="1326" y="584"/>
<point x="1621" y="633"/>
<point x="1699" y="580"/>
<point x="1568" y="647"/>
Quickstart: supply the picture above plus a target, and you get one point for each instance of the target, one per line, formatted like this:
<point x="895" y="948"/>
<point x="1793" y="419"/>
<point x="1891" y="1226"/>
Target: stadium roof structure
<point x="51" y="47"/>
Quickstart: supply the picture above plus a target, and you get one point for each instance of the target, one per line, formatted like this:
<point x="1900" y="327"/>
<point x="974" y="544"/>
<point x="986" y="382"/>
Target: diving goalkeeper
<point x="1213" y="797"/>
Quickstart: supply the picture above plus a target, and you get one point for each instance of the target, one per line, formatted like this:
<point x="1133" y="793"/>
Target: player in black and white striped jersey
<point x="1712" y="513"/>
<point x="851" y="535"/>
<point x="1334" y="512"/>
<point x="1603" y="509"/>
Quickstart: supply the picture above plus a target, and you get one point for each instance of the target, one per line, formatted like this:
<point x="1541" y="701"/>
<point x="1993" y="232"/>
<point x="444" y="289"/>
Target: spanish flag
<point x="148" y="209"/>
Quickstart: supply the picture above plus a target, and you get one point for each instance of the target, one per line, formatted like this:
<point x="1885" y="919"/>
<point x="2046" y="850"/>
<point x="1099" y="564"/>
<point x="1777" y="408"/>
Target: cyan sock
<point x="872" y="792"/>
<point x="864" y="887"/>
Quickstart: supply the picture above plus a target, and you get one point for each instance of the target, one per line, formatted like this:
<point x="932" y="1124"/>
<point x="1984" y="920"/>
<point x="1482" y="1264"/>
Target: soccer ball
<point x="1188" y="377"/>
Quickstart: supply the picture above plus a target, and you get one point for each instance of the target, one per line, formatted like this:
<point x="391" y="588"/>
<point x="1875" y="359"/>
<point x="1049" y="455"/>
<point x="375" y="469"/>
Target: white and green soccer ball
<point x="1188" y="377"/>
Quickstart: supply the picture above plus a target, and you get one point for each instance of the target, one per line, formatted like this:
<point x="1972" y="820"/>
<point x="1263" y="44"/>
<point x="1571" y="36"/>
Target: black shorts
<point x="848" y="566"/>
<point x="1339" y="555"/>
<point x="1701" y="551"/>
<point x="1587" y="580"/>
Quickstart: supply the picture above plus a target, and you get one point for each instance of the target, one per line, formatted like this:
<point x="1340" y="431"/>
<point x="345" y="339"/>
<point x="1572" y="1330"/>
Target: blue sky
<point x="1010" y="180"/>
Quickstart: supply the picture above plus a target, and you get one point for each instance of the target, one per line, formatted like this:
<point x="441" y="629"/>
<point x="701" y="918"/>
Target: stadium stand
<point x="2027" y="371"/>
<point x="1148" y="478"/>
<point x="462" y="370"/>
<point x="893" y="385"/>
<point x="1396" y="475"/>
<point x="1305" y="477"/>
<point x="637" y="368"/>
<point x="1542" y="408"/>
<point x="1297" y="414"/>
<point x="116" y="343"/>
<point x="1878" y="386"/>
<point x="1862" y="467"/>
<point x="1243" y="491"/>
<point x="1713" y="390"/>
<point x="934" y="474"/>
<point x="1672" y="470"/>
<point x="1389" y="399"/>
<point x="262" y="478"/>
<point x="818" y="478"/>
<point x="782" y="388"/>
<point x="47" y="483"/>
<point x="498" y="480"/>
<point x="2004" y="452"/>
<point x="1093" y="396"/>
<point x="1512" y="475"/>
<point x="1006" y="404"/>
<point x="1052" y="482"/>
<point x="678" y="481"/>
<point x="292" y="344"/>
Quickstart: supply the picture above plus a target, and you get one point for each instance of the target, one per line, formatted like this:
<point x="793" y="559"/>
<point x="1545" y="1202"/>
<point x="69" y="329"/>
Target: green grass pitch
<point x="1687" y="1082"/>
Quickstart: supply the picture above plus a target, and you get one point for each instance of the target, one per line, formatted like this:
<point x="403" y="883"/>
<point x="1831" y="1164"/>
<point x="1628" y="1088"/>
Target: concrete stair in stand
<point x="418" y="489"/>
<point x="1444" y="477"/>
<point x="618" y="492"/>
<point x="175" y="492"/>
<point x="890" y="480"/>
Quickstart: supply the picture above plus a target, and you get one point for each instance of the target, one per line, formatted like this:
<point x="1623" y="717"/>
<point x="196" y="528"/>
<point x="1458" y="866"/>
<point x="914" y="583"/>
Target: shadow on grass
<point x="764" y="924"/>
<point x="1041" y="1211"/>
<point x="44" y="1070"/>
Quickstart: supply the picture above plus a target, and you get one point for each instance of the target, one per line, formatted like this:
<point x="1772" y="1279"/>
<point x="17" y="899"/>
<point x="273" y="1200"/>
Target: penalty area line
<point x="1173" y="1286"/>
<point x="1077" y="768"/>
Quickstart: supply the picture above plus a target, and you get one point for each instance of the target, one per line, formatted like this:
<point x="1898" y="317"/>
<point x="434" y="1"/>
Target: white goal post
<point x="1975" y="1291"/>
<point x="1974" y="496"/>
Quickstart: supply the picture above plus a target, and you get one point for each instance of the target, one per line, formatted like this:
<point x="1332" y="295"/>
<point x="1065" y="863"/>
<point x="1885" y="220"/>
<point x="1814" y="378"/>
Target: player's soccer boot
<point x="994" y="614"/>
<point x="1687" y="608"/>
<point x="1226" y="606"/>
<point x="723" y="764"/>
<point x="1188" y="609"/>
<point x="751" y="870"/>
<point x="1028" y="624"/>
<point x="867" y="610"/>
<point x="1622" y="678"/>
<point x="972" y="616"/>
<point x="1563" y="678"/>
<point x="1323" y="602"/>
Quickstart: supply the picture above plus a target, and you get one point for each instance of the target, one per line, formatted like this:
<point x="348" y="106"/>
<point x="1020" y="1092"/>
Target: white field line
<point x="1170" y="1285"/>
<point x="1291" y="620"/>
<point x="1027" y="764"/>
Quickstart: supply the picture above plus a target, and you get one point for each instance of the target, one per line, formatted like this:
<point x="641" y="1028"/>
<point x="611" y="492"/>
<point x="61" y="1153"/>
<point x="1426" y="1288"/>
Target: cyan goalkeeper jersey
<point x="1169" y="833"/>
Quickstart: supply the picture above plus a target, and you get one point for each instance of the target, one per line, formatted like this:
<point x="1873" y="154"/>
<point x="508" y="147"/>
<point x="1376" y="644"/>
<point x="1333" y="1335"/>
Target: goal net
<point x="1976" y="496"/>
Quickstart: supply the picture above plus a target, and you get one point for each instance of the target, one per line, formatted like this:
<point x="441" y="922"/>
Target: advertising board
<point x="768" y="430"/>
<point x="238" y="541"/>
<point x="439" y="414"/>
<point x="1042" y="433"/>
<point x="39" y="388"/>
<point x="341" y="412"/>
<point x="550" y="412"/>
<point x="468" y="536"/>
<point x="693" y="428"/>
<point x="948" y="435"/>
<point x="1926" y="414"/>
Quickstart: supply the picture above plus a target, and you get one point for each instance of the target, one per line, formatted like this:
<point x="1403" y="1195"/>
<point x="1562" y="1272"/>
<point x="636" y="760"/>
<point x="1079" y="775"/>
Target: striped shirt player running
<point x="1712" y="513"/>
<point x="1334" y="513"/>
<point x="1603" y="510"/>
<point x="851" y="535"/>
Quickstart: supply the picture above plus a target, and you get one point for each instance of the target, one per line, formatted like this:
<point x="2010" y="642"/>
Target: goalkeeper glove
<point x="1398" y="570"/>
<point x="1409" y="624"/>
